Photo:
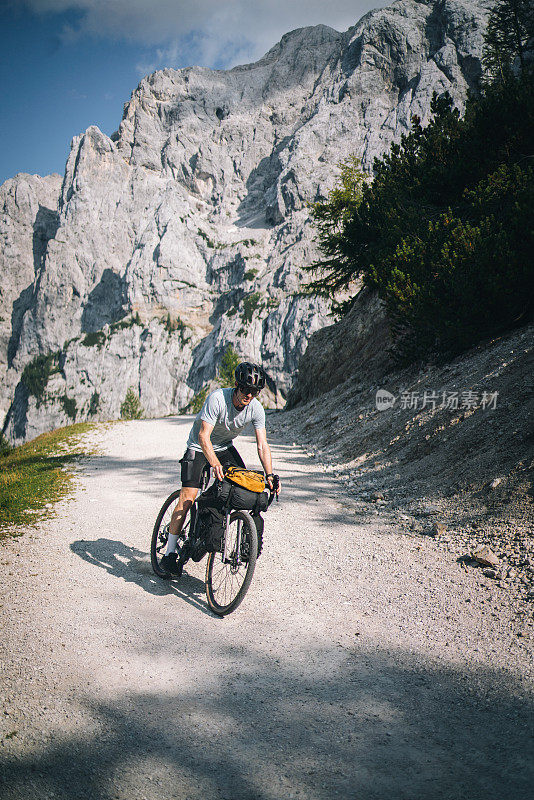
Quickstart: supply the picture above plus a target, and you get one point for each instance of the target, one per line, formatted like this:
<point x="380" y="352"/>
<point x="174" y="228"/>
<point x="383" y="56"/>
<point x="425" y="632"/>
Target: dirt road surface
<point x="364" y="663"/>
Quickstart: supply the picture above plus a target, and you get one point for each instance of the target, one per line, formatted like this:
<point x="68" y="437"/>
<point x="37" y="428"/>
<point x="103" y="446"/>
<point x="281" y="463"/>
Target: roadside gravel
<point x="364" y="662"/>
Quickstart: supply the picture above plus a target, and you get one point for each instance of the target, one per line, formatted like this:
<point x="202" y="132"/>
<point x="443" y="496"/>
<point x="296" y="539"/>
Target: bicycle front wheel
<point x="227" y="581"/>
<point x="160" y="534"/>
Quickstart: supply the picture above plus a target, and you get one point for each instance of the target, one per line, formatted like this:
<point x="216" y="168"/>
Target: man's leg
<point x="192" y="465"/>
<point x="185" y="501"/>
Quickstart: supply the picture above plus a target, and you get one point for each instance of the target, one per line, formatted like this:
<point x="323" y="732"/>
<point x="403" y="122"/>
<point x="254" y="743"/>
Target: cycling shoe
<point x="169" y="564"/>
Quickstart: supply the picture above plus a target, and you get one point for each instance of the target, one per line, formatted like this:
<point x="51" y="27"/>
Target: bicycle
<point x="230" y="567"/>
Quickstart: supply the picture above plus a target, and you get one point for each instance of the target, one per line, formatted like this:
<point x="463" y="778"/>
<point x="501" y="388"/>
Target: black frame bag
<point x="241" y="499"/>
<point x="211" y="518"/>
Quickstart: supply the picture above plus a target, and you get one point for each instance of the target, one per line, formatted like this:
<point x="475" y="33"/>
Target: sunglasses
<point x="246" y="390"/>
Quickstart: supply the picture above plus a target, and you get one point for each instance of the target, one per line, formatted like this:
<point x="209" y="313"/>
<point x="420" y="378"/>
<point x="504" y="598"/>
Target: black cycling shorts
<point x="193" y="463"/>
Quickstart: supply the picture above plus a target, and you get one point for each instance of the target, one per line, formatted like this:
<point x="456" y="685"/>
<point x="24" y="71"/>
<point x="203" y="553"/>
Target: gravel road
<point x="364" y="662"/>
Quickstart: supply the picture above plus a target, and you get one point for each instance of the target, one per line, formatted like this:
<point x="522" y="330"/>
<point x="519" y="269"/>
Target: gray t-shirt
<point x="227" y="421"/>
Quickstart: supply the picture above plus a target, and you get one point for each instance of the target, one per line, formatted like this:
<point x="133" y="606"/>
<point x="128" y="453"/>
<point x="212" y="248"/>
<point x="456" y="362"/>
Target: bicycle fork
<point x="228" y="546"/>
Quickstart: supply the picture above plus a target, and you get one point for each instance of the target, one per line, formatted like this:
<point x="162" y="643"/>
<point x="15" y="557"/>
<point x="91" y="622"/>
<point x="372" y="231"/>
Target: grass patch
<point x="33" y="475"/>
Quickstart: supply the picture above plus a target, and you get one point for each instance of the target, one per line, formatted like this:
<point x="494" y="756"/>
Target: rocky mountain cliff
<point x="187" y="230"/>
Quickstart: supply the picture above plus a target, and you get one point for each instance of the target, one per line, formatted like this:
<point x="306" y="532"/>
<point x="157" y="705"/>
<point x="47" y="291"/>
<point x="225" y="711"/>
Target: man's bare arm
<point x="264" y="453"/>
<point x="204" y="440"/>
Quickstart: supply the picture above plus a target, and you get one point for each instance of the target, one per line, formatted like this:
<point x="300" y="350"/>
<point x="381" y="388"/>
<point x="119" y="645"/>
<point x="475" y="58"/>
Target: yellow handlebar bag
<point x="246" y="478"/>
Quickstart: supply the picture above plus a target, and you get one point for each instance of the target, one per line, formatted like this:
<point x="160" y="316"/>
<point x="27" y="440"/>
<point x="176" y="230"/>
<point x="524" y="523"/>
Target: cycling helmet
<point x="250" y="375"/>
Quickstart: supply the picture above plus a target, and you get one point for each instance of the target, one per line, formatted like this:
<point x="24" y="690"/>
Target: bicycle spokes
<point x="230" y="568"/>
<point x="163" y="537"/>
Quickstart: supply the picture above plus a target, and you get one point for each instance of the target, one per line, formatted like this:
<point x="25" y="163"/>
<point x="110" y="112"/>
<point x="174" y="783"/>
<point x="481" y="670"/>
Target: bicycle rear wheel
<point x="227" y="583"/>
<point x="160" y="534"/>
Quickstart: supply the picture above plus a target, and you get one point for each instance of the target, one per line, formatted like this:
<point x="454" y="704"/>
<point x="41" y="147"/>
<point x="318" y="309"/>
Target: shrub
<point x="94" y="404"/>
<point x="206" y="238"/>
<point x="37" y="373"/>
<point x="5" y="447"/>
<point x="173" y="325"/>
<point x="126" y="322"/>
<point x="131" y="408"/>
<point x="69" y="406"/>
<point x="94" y="339"/>
<point x="250" y="274"/>
<point x="250" y="304"/>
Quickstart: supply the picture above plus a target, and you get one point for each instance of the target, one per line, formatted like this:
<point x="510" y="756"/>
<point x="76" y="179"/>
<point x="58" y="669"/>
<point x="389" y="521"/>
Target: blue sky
<point x="68" y="64"/>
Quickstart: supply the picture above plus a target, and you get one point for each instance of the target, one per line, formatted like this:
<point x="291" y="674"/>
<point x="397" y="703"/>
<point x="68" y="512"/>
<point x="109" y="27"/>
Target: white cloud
<point x="211" y="32"/>
<point x="74" y="94"/>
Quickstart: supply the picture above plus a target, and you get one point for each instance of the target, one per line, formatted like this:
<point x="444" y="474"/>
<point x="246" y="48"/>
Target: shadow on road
<point x="159" y="476"/>
<point x="369" y="725"/>
<point x="132" y="565"/>
<point x="156" y="476"/>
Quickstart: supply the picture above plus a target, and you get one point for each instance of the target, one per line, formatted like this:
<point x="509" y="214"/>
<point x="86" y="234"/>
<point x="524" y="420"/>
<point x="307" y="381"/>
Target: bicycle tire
<point x="224" y="599"/>
<point x="160" y="535"/>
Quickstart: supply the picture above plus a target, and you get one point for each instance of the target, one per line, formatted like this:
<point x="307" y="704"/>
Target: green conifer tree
<point x="509" y="34"/>
<point x="131" y="408"/>
<point x="229" y="362"/>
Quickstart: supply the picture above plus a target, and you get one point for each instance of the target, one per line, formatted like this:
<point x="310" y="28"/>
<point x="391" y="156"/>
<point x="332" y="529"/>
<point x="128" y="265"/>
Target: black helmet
<point x="250" y="375"/>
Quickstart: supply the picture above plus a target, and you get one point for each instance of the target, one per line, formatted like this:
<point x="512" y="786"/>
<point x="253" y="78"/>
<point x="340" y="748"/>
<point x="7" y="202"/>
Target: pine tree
<point x="331" y="216"/>
<point x="229" y="362"/>
<point x="131" y="408"/>
<point x="510" y="29"/>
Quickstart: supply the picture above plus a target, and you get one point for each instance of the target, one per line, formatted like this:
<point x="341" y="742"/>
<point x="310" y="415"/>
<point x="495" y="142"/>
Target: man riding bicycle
<point x="222" y="417"/>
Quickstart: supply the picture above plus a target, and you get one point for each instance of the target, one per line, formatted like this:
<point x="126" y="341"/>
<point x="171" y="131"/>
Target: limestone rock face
<point x="187" y="230"/>
<point x="355" y="347"/>
<point x="28" y="221"/>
